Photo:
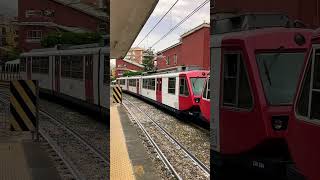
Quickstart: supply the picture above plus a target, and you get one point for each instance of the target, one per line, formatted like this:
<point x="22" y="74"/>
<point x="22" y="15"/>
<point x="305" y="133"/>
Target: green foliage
<point x="13" y="54"/>
<point x="70" y="38"/>
<point x="147" y="60"/>
<point x="130" y="73"/>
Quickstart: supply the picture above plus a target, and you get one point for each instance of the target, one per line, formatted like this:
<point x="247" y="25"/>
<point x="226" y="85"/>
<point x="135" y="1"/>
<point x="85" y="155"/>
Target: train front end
<point x="255" y="75"/>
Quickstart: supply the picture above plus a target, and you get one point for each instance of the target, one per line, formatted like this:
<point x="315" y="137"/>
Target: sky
<point x="9" y="7"/>
<point x="179" y="11"/>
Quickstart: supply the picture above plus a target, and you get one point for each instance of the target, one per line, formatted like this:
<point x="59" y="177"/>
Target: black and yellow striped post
<point x="117" y="94"/>
<point x="24" y="106"/>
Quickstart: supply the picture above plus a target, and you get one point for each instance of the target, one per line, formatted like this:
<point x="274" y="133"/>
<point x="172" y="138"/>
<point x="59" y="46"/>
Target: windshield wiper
<point x="266" y="71"/>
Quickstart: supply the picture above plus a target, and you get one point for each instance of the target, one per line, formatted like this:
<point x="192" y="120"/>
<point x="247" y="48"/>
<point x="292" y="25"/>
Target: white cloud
<point x="179" y="12"/>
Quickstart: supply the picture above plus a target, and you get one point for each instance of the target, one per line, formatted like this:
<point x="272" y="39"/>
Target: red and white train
<point x="256" y="61"/>
<point x="178" y="91"/>
<point x="304" y="127"/>
<point x="79" y="74"/>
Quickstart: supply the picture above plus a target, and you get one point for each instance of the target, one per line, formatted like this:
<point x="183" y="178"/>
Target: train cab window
<point x="172" y="85"/>
<point x="279" y="88"/>
<point x="206" y="91"/>
<point x="236" y="90"/>
<point x="23" y="64"/>
<point x="311" y="92"/>
<point x="184" y="87"/>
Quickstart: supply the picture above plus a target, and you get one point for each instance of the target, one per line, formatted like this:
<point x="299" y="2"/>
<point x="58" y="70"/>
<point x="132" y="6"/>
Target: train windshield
<point x="279" y="74"/>
<point x="197" y="85"/>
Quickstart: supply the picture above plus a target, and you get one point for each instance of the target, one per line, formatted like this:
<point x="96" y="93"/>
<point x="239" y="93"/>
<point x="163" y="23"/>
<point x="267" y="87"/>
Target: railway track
<point x="81" y="158"/>
<point x="181" y="162"/>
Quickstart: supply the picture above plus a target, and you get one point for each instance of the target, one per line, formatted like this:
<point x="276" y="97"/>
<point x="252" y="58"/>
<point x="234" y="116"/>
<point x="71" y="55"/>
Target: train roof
<point x="262" y="35"/>
<point x="67" y="51"/>
<point x="16" y="61"/>
<point x="165" y="74"/>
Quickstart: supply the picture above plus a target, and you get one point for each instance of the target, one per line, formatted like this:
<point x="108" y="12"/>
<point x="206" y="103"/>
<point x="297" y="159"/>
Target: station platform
<point x="23" y="159"/>
<point x="129" y="158"/>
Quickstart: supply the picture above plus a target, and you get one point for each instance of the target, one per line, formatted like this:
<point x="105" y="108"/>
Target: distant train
<point x="78" y="74"/>
<point x="179" y="91"/>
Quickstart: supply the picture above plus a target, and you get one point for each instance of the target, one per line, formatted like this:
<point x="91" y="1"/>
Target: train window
<point x="184" y="87"/>
<point x="152" y="84"/>
<point x="204" y="94"/>
<point x="132" y="82"/>
<point x="279" y="87"/>
<point x="208" y="93"/>
<point x="72" y="67"/>
<point x="197" y="85"/>
<point x="172" y="85"/>
<point x="106" y="69"/>
<point x="236" y="91"/>
<point x="122" y="81"/>
<point x="303" y="103"/>
<point x="315" y="93"/>
<point x="23" y="64"/>
<point x="40" y="65"/>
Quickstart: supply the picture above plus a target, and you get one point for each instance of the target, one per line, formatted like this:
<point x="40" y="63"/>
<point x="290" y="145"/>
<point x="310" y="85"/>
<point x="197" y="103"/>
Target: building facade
<point x="135" y="55"/>
<point x="192" y="50"/>
<point x="8" y="38"/>
<point x="305" y="11"/>
<point x="37" y="19"/>
<point x="123" y="65"/>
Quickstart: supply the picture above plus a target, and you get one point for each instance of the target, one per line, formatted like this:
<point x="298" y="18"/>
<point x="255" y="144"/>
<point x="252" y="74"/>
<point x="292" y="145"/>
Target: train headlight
<point x="279" y="122"/>
<point x="197" y="100"/>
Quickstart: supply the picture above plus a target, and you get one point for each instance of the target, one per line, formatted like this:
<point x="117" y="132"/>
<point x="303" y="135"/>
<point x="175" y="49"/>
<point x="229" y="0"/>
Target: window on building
<point x="3" y="31"/>
<point x="167" y="60"/>
<point x="33" y="13"/>
<point x="184" y="91"/>
<point x="34" y="35"/>
<point x="172" y="85"/>
<point x="132" y="82"/>
<point x="23" y="64"/>
<point x="40" y="65"/>
<point x="102" y="28"/>
<point x="236" y="91"/>
<point x="175" y="59"/>
<point x="106" y="78"/>
<point x="72" y="67"/>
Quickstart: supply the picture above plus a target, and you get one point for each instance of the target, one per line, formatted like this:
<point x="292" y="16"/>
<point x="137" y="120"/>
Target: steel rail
<point x="161" y="154"/>
<point x="190" y="155"/>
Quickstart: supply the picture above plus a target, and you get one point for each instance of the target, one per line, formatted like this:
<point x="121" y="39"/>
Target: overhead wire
<point x="182" y="21"/>
<point x="157" y="22"/>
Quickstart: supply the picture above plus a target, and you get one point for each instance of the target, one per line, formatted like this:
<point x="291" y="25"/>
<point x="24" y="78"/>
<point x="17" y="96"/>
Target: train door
<point x="236" y="108"/>
<point x="138" y="86"/>
<point x="184" y="93"/>
<point x="89" y="78"/>
<point x="205" y="101"/>
<point x="29" y="67"/>
<point x="57" y="74"/>
<point x="159" y="90"/>
<point x="304" y="128"/>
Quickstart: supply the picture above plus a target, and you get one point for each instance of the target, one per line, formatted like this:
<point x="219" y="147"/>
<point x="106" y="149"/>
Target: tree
<point x="130" y="73"/>
<point x="147" y="60"/>
<point x="70" y="38"/>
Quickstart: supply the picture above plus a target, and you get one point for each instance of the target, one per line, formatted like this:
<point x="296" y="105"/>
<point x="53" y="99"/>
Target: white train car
<point x="80" y="75"/>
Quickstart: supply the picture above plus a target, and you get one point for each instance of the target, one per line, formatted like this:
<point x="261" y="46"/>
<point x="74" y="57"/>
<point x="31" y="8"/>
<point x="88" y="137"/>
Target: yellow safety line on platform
<point x="121" y="167"/>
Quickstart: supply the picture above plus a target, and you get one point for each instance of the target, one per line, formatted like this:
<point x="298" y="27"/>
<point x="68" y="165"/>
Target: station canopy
<point x="243" y="22"/>
<point x="127" y="19"/>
